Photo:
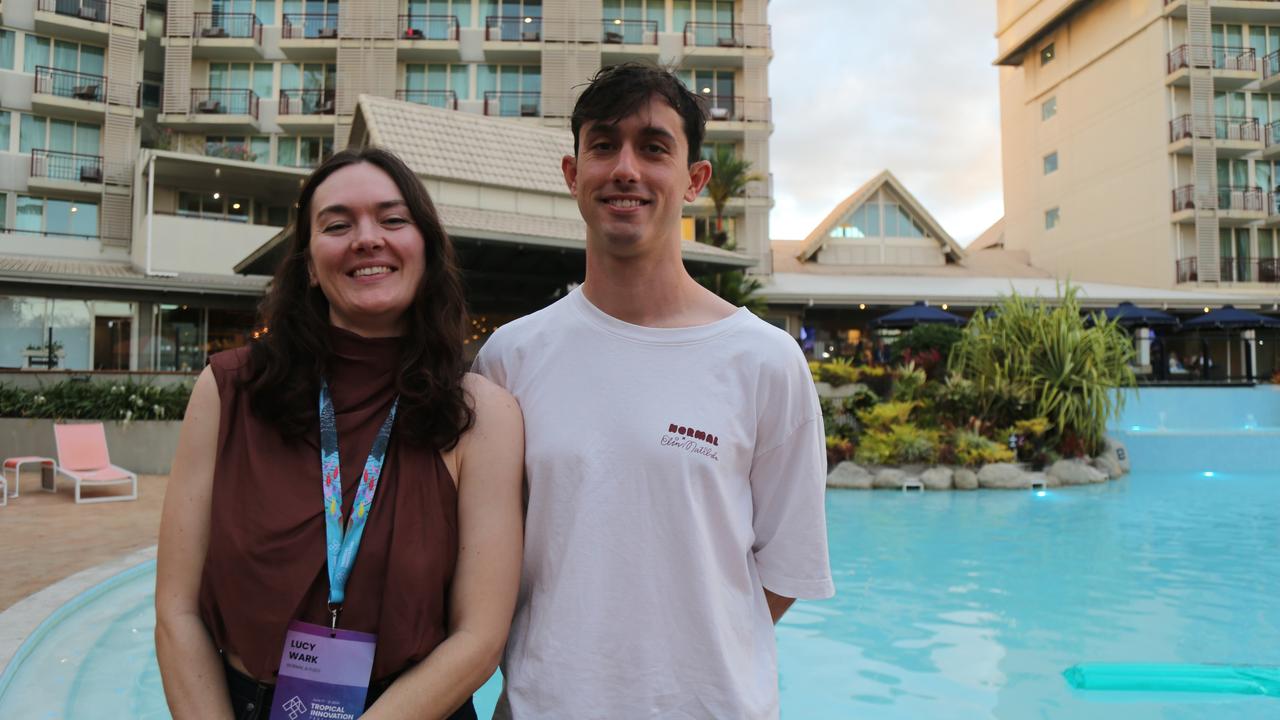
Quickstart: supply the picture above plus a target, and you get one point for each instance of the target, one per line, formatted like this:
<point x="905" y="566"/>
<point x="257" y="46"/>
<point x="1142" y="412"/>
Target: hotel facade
<point x="148" y="151"/>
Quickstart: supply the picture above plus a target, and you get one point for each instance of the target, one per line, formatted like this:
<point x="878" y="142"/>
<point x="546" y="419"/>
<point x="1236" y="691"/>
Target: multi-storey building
<point x="1140" y="140"/>
<point x="145" y="218"/>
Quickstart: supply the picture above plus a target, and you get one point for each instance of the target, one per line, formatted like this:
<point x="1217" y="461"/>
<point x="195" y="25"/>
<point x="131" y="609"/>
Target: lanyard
<point x="341" y="547"/>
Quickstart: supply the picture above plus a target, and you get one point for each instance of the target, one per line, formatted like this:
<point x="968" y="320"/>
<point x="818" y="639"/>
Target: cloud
<point x="860" y="86"/>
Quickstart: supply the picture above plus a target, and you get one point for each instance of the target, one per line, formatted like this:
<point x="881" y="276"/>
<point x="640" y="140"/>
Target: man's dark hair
<point x="286" y="364"/>
<point x="621" y="90"/>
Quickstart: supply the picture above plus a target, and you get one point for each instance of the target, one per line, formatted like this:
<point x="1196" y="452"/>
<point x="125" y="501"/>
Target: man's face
<point x="631" y="179"/>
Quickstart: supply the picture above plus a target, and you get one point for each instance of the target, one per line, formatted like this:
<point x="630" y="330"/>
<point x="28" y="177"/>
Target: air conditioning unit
<point x="90" y="174"/>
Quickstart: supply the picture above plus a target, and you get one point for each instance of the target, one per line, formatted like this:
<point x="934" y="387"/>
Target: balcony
<point x="443" y="99"/>
<point x="1270" y="73"/>
<point x="513" y="39"/>
<point x="1186" y="270"/>
<point x="302" y="110"/>
<point x="218" y="110"/>
<point x="1235" y="205"/>
<point x="1233" y="269"/>
<point x="1233" y="67"/>
<point x="711" y="44"/>
<point x="63" y="93"/>
<point x="65" y="173"/>
<point x="629" y="40"/>
<point x="513" y="104"/>
<point x="1229" y="11"/>
<point x="729" y="115"/>
<point x="428" y="37"/>
<point x="88" y="20"/>
<point x="226" y="36"/>
<point x="309" y="36"/>
<point x="1232" y="136"/>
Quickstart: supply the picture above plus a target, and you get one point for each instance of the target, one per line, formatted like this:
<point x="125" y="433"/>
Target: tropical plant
<point x="908" y="383"/>
<point x="730" y="175"/>
<point x="885" y="415"/>
<point x="837" y="372"/>
<point x="737" y="288"/>
<point x="900" y="443"/>
<point x="917" y="343"/>
<point x="838" y="450"/>
<point x="70" y="400"/>
<point x="1032" y="360"/>
<point x="971" y="449"/>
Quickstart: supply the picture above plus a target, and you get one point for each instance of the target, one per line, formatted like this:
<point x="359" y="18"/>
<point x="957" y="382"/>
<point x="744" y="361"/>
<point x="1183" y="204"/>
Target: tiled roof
<point x="25" y="269"/>
<point x="471" y="148"/>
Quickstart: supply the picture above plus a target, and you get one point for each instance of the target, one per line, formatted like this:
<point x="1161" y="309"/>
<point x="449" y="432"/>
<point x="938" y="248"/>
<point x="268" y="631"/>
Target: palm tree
<point x="729" y="177"/>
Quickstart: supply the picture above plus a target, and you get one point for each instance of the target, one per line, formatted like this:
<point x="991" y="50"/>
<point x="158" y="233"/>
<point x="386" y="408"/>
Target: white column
<point x="1144" y="347"/>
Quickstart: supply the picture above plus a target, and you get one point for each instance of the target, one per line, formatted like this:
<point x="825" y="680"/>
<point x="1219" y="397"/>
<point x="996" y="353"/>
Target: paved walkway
<point x="45" y="537"/>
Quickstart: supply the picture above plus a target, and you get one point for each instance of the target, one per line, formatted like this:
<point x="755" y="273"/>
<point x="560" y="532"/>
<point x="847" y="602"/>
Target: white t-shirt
<point x="672" y="473"/>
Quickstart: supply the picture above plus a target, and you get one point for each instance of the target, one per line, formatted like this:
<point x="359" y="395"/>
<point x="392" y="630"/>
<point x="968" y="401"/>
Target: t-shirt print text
<point x="699" y="442"/>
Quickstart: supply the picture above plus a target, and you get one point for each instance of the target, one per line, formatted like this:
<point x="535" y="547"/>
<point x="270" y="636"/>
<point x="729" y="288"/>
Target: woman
<point x="365" y="314"/>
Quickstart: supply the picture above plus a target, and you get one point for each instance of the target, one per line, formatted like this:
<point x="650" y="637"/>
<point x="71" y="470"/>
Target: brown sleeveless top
<point x="266" y="560"/>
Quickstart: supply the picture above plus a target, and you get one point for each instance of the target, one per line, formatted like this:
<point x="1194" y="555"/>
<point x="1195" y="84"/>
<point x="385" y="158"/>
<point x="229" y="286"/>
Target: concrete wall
<point x="144" y="447"/>
<point x="30" y="379"/>
<point x="1113" y="182"/>
<point x="192" y="245"/>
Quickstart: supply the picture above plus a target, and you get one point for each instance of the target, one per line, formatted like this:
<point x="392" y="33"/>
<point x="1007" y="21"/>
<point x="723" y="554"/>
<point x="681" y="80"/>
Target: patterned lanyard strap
<point x="341" y="547"/>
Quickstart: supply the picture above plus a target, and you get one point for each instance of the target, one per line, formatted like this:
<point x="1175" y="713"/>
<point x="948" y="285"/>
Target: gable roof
<point x="816" y="239"/>
<point x="992" y="237"/>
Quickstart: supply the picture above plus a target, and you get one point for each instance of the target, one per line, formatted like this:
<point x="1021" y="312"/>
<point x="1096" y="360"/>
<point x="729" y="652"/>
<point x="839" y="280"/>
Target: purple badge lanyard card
<point x="324" y="671"/>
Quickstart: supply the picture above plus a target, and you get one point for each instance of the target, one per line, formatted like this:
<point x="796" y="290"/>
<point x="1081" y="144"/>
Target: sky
<point x="860" y="86"/>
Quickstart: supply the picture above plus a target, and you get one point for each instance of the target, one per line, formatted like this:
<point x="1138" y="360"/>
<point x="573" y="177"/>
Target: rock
<point x="1003" y="476"/>
<point x="1076" y="472"/>
<point x="1115" y="450"/>
<point x="1050" y="481"/>
<point x="1107" y="466"/>
<point x="964" y="479"/>
<point x="823" y="388"/>
<point x="937" y="478"/>
<point x="888" y="479"/>
<point x="1037" y="479"/>
<point x="849" y="474"/>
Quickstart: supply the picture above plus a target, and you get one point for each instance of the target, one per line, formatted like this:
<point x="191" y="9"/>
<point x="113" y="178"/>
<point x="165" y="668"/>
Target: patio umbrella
<point x="917" y="314"/>
<point x="1230" y="318"/>
<point x="1130" y="315"/>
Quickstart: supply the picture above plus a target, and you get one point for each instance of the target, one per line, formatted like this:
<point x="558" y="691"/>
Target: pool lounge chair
<point x="82" y="457"/>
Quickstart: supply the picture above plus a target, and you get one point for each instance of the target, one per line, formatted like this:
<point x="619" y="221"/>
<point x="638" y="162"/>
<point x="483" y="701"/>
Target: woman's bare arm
<point x="491" y="538"/>
<point x="194" y="682"/>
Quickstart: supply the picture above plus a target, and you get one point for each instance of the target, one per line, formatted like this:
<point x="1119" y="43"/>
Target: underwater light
<point x="1041" y="493"/>
<point x="1208" y="473"/>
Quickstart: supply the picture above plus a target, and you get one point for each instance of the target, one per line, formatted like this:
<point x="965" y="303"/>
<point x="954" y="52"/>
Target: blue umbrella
<point x="917" y="314"/>
<point x="1130" y="315"/>
<point x="1230" y="318"/>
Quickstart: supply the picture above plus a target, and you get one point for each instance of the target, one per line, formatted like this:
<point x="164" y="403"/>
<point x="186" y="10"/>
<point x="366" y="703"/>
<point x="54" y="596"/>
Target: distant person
<point x="1175" y="364"/>
<point x="882" y="354"/>
<point x="344" y="474"/>
<point x="676" y="461"/>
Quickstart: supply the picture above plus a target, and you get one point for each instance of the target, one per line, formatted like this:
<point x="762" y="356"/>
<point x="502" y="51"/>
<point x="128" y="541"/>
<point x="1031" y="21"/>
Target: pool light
<point x="1208" y="473"/>
<point x="1041" y="493"/>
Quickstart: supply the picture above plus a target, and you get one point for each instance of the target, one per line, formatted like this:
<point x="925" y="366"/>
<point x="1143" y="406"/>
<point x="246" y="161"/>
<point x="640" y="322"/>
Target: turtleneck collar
<point x="373" y="355"/>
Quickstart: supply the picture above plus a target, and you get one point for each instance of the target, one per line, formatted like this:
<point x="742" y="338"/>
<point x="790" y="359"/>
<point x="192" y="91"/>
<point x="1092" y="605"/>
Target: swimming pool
<point x="950" y="605"/>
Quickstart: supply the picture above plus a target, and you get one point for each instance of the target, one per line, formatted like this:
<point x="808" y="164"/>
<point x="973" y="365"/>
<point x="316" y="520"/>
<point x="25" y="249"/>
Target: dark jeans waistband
<point x="251" y="700"/>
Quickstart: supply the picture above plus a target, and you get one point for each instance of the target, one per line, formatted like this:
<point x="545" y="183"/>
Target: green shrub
<point x="929" y="336"/>
<point x="899" y="444"/>
<point x="837" y="372"/>
<point x="908" y="383"/>
<point x="971" y="449"/>
<point x="73" y="400"/>
<point x="885" y="415"/>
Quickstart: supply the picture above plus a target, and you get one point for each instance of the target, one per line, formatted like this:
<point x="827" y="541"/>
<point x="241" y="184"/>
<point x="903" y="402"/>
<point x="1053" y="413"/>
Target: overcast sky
<point x="859" y="86"/>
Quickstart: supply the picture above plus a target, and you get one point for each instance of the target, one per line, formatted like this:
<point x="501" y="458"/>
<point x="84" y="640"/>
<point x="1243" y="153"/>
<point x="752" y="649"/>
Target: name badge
<point x="324" y="674"/>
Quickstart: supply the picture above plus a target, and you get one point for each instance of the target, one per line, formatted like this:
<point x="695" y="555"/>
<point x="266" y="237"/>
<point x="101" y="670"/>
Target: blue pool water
<point x="949" y="605"/>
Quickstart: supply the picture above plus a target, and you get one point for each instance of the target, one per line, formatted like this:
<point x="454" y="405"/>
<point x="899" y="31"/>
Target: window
<point x="303" y="151"/>
<point x="1049" y="108"/>
<point x="57" y="217"/>
<point x="214" y="206"/>
<point x="6" y="49"/>
<point x="431" y="84"/>
<point x="6" y="124"/>
<point x="63" y="55"/>
<point x="254" y="149"/>
<point x="633" y="13"/>
<point x="715" y="85"/>
<point x="36" y="132"/>
<point x="232" y="79"/>
<point x="862" y="222"/>
<point x="4" y="210"/>
<point x="1047" y="54"/>
<point x="1051" y="218"/>
<point x="460" y="9"/>
<point x="510" y="90"/>
<point x="1051" y="163"/>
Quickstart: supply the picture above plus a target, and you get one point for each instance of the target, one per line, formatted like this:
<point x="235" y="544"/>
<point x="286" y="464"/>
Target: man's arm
<point x="778" y="604"/>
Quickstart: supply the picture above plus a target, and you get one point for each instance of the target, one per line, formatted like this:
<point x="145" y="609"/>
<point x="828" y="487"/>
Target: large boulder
<point x="1107" y="466"/>
<point x="1076" y="472"/>
<point x="964" y="479"/>
<point x="849" y="474"/>
<point x="1117" y="452"/>
<point x="1003" y="476"/>
<point x="888" y="479"/>
<point x="937" y="478"/>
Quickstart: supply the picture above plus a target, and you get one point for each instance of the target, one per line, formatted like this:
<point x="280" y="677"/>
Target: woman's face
<point x="367" y="256"/>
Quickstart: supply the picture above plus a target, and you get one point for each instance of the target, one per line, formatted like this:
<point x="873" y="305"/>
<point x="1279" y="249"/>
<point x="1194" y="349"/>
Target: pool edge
<point x="26" y="621"/>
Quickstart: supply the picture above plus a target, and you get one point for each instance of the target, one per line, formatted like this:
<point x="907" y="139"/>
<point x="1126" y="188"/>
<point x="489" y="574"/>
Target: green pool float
<point x="1168" y="677"/>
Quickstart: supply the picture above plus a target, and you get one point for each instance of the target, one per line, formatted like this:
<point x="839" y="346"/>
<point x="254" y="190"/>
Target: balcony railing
<point x="513" y="29"/>
<point x="1218" y="57"/>
<point x="429" y="27"/>
<point x="513" y="104"/>
<point x="224" y="101"/>
<point x="1187" y="270"/>
<point x="310" y="26"/>
<point x="629" y="32"/>
<point x="91" y="10"/>
<point x="731" y="108"/>
<point x="1229" y="197"/>
<point x="1271" y="64"/>
<point x="726" y="35"/>
<point x="306" y="102"/>
<point x="444" y="99"/>
<point x="69" y="84"/>
<point x="57" y="165"/>
<point x="1244" y="269"/>
<point x="219" y="26"/>
<point x="1223" y="128"/>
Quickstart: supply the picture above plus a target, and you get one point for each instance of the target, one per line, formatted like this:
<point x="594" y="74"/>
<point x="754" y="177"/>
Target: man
<point x="675" y="455"/>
